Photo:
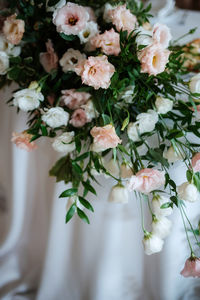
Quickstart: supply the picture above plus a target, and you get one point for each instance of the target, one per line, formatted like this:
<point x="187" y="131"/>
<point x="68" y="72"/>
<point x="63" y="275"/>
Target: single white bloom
<point x="71" y="200"/>
<point x="63" y="143"/>
<point x="59" y="4"/>
<point x="56" y="117"/>
<point x="4" y="63"/>
<point x="108" y="7"/>
<point x="112" y="167"/>
<point x="90" y="110"/>
<point x="9" y="48"/>
<point x="127" y="94"/>
<point x="188" y="192"/>
<point x="126" y="171"/>
<point x="163" y="105"/>
<point x="132" y="132"/>
<point x="152" y="244"/>
<point x="88" y="32"/>
<point x="172" y="156"/>
<point x="157" y="202"/>
<point x="161" y="227"/>
<point x="147" y="121"/>
<point x="27" y="99"/>
<point x="70" y="60"/>
<point x="144" y="37"/>
<point x="194" y="84"/>
<point x="118" y="194"/>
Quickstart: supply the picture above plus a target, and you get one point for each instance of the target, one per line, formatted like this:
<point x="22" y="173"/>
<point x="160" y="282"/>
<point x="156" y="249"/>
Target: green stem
<point x="180" y="208"/>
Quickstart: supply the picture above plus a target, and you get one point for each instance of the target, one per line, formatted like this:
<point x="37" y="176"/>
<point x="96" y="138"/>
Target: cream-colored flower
<point x="118" y="194"/>
<point x="64" y="143"/>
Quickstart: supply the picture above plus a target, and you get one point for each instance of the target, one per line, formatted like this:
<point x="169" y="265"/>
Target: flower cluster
<point x="107" y="88"/>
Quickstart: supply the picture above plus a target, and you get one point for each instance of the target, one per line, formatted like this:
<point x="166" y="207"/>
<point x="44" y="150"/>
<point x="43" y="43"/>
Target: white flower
<point x="152" y="244"/>
<point x="118" y="194"/>
<point x="59" y="4"/>
<point x="132" y="132"/>
<point x="63" y="143"/>
<point x="172" y="156"/>
<point x="163" y="105"/>
<point x="161" y="227"/>
<point x="188" y="192"/>
<point x="70" y="60"/>
<point x="112" y="167"/>
<point x="107" y="9"/>
<point x="4" y="63"/>
<point x="127" y="94"/>
<point x="56" y="117"/>
<point x="144" y="37"/>
<point x="27" y="99"/>
<point x="126" y="171"/>
<point x="162" y="34"/>
<point x="157" y="202"/>
<point x="9" y="48"/>
<point x="88" y="32"/>
<point x="72" y="200"/>
<point x="90" y="111"/>
<point x="194" y="84"/>
<point x="147" y="121"/>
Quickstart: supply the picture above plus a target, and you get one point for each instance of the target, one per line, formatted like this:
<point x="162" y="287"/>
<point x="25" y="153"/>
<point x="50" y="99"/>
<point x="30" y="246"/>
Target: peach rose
<point x="97" y="72"/>
<point x="79" y="118"/>
<point x="146" y="180"/>
<point x="22" y="141"/>
<point x="49" y="59"/>
<point x="191" y="268"/>
<point x="196" y="162"/>
<point x="73" y="99"/>
<point x="153" y="59"/>
<point x="108" y="42"/>
<point x="13" y="29"/>
<point x="161" y="34"/>
<point x="104" y="138"/>
<point x="71" y="59"/>
<point x="122" y="18"/>
<point x="71" y="18"/>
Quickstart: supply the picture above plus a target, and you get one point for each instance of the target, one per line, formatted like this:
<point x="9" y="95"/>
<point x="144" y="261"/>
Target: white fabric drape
<point x="42" y="258"/>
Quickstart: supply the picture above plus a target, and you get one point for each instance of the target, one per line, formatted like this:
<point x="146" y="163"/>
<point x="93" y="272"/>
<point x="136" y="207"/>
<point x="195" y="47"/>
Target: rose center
<point x="92" y="71"/>
<point x="74" y="60"/>
<point x="72" y="21"/>
<point x="154" y="61"/>
<point x="86" y="34"/>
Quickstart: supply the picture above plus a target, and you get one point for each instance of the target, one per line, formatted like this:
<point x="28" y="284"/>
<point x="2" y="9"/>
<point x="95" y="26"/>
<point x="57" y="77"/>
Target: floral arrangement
<point x="112" y="92"/>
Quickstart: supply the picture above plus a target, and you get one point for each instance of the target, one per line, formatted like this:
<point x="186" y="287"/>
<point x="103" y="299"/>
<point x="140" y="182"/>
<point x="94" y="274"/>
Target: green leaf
<point x="82" y="215"/>
<point x="77" y="168"/>
<point x="52" y="2"/>
<point x="123" y="149"/>
<point x="68" y="38"/>
<point x="70" y="213"/>
<point x="125" y="123"/>
<point x="86" y="204"/>
<point x="68" y="193"/>
<point x="62" y="170"/>
<point x="44" y="130"/>
<point x="78" y="144"/>
<point x="106" y="119"/>
<point x="35" y="137"/>
<point x="196" y="179"/>
<point x="88" y="187"/>
<point x="166" y="205"/>
<point x="189" y="175"/>
<point x="82" y="157"/>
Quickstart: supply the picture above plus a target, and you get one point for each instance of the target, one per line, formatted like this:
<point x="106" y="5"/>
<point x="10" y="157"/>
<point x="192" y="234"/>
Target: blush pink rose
<point x="153" y="59"/>
<point x="13" y="29"/>
<point x="71" y="18"/>
<point x="196" y="162"/>
<point x="91" y="13"/>
<point x="49" y="59"/>
<point x="78" y="118"/>
<point x="108" y="42"/>
<point x="73" y="99"/>
<point x="122" y="18"/>
<point x="97" y="72"/>
<point x="104" y="138"/>
<point x="146" y="180"/>
<point x="191" y="268"/>
<point x="161" y="34"/>
<point x="22" y="141"/>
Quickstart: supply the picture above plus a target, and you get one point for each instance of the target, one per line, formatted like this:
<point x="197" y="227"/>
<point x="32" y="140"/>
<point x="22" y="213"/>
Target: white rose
<point x="125" y="171"/>
<point x="70" y="59"/>
<point x="161" y="227"/>
<point x="71" y="200"/>
<point x="194" y="84"/>
<point x="152" y="244"/>
<point x="188" y="192"/>
<point x="127" y="94"/>
<point x="107" y="9"/>
<point x="157" y="202"/>
<point x="88" y="32"/>
<point x="59" y="4"/>
<point x="118" y="194"/>
<point x="4" y="63"/>
<point x="147" y="121"/>
<point x="144" y="37"/>
<point x="172" y="156"/>
<point x="163" y="105"/>
<point x="9" y="48"/>
<point x="90" y="111"/>
<point x="56" y="117"/>
<point x="27" y="99"/>
<point x="63" y="143"/>
<point x="132" y="132"/>
<point x="112" y="167"/>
